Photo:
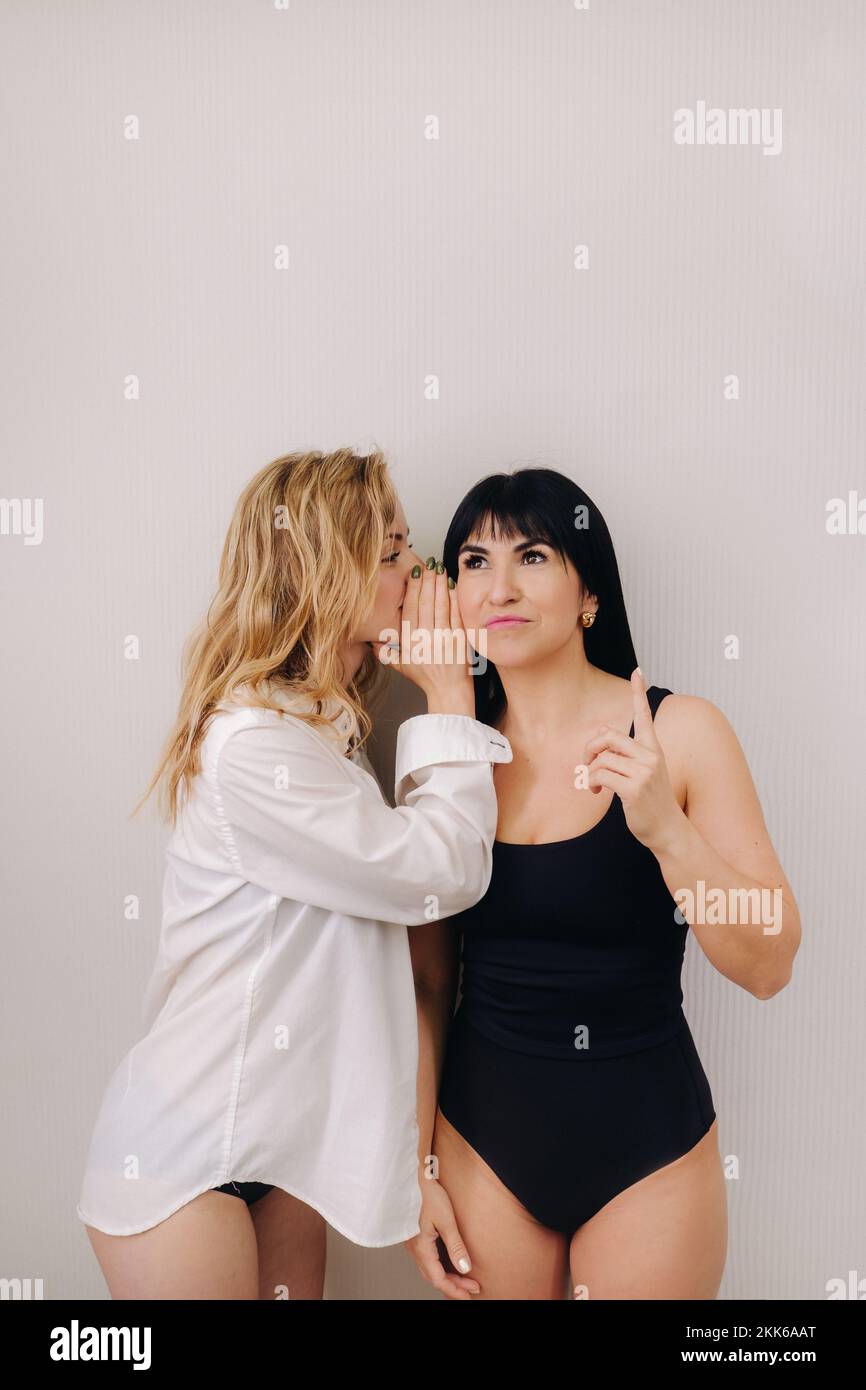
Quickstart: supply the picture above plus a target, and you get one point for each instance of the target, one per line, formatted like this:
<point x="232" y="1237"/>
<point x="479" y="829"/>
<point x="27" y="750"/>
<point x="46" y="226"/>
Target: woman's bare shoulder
<point x="695" y="734"/>
<point x="685" y="716"/>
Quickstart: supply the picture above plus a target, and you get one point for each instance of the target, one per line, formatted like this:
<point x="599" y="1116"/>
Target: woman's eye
<point x="395" y="555"/>
<point x="470" y="565"/>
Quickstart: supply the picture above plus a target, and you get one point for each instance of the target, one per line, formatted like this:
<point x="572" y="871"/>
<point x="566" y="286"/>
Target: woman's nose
<point x="502" y="587"/>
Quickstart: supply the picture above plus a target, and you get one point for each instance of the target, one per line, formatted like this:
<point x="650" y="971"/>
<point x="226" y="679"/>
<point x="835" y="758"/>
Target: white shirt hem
<point x="321" y="1207"/>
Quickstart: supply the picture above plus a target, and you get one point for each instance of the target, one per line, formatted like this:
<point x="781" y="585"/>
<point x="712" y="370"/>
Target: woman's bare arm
<point x="434" y="948"/>
<point x="719" y="851"/>
<point x="435" y="961"/>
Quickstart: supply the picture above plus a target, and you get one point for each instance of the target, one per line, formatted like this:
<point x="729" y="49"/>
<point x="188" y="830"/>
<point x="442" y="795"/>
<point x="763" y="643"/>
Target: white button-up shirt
<point x="281" y="1040"/>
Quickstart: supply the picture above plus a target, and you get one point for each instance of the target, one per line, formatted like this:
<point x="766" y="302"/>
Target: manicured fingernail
<point x="431" y="563"/>
<point x="440" y="568"/>
<point x="451" y="584"/>
<point x="416" y="571"/>
<point x="463" y="1266"/>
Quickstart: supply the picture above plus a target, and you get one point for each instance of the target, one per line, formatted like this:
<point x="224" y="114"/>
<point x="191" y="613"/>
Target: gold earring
<point x="587" y="619"/>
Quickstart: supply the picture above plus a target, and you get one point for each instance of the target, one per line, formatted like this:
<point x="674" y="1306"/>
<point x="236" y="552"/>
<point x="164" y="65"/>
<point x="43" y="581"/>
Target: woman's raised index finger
<point x="643" y="718"/>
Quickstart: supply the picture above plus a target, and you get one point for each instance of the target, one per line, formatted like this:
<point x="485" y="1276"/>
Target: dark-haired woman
<point x="576" y="1132"/>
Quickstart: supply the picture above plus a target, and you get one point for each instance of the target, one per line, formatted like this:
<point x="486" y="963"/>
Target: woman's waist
<point x="572" y="1013"/>
<point x="568" y="971"/>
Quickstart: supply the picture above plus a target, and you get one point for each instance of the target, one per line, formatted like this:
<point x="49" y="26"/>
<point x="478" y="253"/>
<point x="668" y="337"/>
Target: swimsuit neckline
<point x="572" y="839"/>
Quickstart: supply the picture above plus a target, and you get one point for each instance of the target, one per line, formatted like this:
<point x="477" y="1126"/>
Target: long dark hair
<point x="544" y="504"/>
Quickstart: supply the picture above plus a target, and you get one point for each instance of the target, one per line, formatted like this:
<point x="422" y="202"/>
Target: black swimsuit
<point x="248" y="1192"/>
<point x="570" y="1067"/>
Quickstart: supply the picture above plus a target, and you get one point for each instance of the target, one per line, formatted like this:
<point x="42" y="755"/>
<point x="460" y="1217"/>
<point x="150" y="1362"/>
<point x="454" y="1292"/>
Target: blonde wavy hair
<point x="299" y="570"/>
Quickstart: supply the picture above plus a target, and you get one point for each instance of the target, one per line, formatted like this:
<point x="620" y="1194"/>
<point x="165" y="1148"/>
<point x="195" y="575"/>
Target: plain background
<point x="454" y="258"/>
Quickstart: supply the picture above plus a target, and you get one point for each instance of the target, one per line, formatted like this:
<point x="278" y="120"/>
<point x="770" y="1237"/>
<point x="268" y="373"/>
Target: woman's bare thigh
<point x="207" y="1249"/>
<point x="513" y="1256"/>
<point x="292" y="1241"/>
<point x="664" y="1237"/>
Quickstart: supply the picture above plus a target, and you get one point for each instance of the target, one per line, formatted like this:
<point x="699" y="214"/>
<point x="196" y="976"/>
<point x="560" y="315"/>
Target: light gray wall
<point x="410" y="256"/>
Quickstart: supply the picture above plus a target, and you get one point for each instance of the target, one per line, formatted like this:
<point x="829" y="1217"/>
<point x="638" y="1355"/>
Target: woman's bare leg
<point x="207" y="1249"/>
<point x="664" y="1237"/>
<point x="292" y="1240"/>
<point x="513" y="1256"/>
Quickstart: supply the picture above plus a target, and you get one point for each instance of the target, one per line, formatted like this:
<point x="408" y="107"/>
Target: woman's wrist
<point x="452" y="704"/>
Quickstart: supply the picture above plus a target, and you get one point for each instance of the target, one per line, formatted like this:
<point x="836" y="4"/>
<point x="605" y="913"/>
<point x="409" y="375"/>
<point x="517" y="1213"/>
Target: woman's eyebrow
<point x="523" y="545"/>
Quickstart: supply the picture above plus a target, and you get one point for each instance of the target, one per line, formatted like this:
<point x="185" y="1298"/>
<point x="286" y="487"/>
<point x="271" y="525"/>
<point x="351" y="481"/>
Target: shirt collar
<point x="342" y="727"/>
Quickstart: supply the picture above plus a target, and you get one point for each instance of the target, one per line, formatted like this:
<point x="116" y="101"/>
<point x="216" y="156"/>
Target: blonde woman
<point x="274" y="1087"/>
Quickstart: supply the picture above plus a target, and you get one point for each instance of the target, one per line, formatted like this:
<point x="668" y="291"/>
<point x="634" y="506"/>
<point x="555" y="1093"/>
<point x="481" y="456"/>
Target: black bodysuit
<point x="570" y="1067"/>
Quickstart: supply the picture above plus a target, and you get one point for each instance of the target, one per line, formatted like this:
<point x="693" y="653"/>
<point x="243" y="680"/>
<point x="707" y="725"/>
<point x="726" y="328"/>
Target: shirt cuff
<point x="428" y="739"/>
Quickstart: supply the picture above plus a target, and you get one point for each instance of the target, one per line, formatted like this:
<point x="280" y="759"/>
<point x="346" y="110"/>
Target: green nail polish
<point x="451" y="584"/>
<point x="416" y="571"/>
<point x="440" y="568"/>
<point x="431" y="563"/>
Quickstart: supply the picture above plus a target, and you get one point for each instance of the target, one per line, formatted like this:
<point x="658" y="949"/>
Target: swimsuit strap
<point x="654" y="695"/>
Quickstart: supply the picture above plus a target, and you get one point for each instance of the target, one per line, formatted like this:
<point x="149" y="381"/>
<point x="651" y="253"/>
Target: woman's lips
<point x="506" y="622"/>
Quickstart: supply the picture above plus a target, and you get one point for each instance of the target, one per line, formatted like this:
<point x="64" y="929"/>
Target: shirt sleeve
<point x="298" y="823"/>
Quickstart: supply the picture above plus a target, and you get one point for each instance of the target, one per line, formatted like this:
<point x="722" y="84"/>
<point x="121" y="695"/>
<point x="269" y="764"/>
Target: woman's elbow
<point x="778" y="971"/>
<point x="764" y="989"/>
<point x="455" y="888"/>
<point x="771" y="982"/>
